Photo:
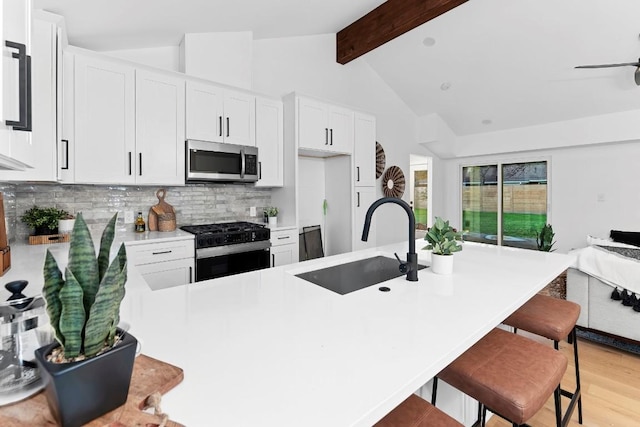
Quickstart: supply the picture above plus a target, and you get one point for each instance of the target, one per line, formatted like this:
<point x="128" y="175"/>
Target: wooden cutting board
<point x="160" y="208"/>
<point x="149" y="376"/>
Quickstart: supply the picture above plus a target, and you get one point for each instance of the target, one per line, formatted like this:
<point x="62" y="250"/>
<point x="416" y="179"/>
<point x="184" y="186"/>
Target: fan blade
<point x="629" y="64"/>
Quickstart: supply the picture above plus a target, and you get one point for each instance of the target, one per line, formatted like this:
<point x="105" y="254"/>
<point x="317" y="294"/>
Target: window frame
<point x="499" y="163"/>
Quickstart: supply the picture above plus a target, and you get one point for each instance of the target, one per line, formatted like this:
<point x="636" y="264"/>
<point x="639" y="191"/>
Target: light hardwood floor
<point x="610" y="388"/>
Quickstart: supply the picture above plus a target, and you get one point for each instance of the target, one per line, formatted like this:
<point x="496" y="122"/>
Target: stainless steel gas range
<point x="229" y="248"/>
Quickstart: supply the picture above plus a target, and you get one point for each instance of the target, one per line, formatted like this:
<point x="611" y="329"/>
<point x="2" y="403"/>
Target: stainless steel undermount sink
<point x="355" y="275"/>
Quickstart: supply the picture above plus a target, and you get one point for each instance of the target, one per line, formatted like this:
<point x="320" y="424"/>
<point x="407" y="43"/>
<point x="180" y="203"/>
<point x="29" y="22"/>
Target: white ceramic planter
<point x="65" y="226"/>
<point x="273" y="221"/>
<point x="441" y="264"/>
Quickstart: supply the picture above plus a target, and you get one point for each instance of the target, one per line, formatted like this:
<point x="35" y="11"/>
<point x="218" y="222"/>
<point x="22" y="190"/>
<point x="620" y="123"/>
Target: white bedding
<point x="611" y="268"/>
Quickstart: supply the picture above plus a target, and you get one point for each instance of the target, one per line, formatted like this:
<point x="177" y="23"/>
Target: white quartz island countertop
<point x="266" y="348"/>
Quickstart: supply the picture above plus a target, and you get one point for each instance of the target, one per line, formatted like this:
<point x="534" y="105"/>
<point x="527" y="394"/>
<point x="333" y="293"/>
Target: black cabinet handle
<point x="220" y="123"/>
<point x="140" y="157"/>
<point x="284" y="237"/>
<point x="190" y="274"/>
<point x="66" y="154"/>
<point x="24" y="87"/>
<point x="273" y="260"/>
<point x="326" y="136"/>
<point x="358" y="173"/>
<point x="358" y="193"/>
<point x="227" y="127"/>
<point x="161" y="252"/>
<point x="129" y="162"/>
<point x="259" y="170"/>
<point x="331" y="133"/>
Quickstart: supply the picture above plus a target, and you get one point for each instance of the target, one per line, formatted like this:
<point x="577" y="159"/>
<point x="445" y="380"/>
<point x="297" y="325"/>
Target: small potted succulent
<point x="87" y="372"/>
<point x="44" y="221"/>
<point x="443" y="243"/>
<point x="65" y="223"/>
<point x="544" y="238"/>
<point x="272" y="213"/>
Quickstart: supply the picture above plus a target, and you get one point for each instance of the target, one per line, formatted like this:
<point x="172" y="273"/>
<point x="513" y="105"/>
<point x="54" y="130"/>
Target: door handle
<point x="358" y="193"/>
<point x="273" y="260"/>
<point x="24" y="87"/>
<point x="140" y="157"/>
<point x="227" y="127"/>
<point x="130" y="154"/>
<point x="66" y="154"/>
<point x="358" y="173"/>
<point x="190" y="274"/>
<point x="259" y="170"/>
<point x="220" y="125"/>
<point x="326" y="136"/>
<point x="331" y="136"/>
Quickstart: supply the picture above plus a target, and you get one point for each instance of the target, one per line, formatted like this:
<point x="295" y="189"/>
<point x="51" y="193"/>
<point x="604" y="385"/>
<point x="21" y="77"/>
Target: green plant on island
<point x="271" y="211"/>
<point x="84" y="306"/>
<point x="43" y="218"/>
<point x="443" y="239"/>
<point x="544" y="238"/>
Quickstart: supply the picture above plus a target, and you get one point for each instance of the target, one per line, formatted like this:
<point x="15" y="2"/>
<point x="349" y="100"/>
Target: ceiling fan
<point x="626" y="64"/>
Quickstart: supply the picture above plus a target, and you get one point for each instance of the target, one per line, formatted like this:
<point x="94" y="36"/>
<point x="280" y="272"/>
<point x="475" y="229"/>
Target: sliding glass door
<point x="504" y="203"/>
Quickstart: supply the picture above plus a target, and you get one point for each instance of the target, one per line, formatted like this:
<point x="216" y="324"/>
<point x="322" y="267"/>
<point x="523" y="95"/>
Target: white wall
<point x="307" y="65"/>
<point x="593" y="189"/>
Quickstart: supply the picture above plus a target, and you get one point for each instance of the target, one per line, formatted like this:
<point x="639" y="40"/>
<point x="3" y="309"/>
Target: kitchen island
<point x="266" y="348"/>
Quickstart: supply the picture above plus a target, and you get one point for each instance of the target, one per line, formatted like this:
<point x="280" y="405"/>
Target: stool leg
<point x="556" y="398"/>
<point x="434" y="391"/>
<point x="575" y="357"/>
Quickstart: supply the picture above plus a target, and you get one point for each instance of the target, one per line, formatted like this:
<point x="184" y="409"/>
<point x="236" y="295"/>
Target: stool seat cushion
<point x="512" y="375"/>
<point x="417" y="412"/>
<point x="546" y="316"/>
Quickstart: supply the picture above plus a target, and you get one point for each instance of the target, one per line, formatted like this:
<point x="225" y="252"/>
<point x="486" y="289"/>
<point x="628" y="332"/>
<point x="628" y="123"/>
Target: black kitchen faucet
<point x="411" y="266"/>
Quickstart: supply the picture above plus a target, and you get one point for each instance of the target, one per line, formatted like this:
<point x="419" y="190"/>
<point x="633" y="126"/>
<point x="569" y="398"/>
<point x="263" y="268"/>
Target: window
<point x="506" y="200"/>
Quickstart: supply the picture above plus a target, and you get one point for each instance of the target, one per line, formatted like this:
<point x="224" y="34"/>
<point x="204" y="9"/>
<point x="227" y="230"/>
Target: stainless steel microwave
<point x="214" y="161"/>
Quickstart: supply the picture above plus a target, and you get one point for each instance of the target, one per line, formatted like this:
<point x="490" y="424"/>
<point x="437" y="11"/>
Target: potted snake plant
<point x="87" y="372"/>
<point x="443" y="243"/>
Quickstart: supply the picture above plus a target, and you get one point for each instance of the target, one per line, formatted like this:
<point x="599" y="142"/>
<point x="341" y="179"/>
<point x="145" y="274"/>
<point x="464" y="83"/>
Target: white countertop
<point x="266" y="348"/>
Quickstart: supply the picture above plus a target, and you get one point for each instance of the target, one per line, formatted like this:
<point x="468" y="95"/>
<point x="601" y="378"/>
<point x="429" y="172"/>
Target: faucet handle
<point x="403" y="267"/>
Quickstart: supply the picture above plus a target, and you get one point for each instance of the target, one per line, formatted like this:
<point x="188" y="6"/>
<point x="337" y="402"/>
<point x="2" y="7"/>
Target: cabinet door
<point x="204" y="112"/>
<point x="364" y="197"/>
<point x="104" y="121"/>
<point x="239" y="118"/>
<point x="270" y="142"/>
<point x="313" y="126"/>
<point x="16" y="147"/>
<point x="167" y="274"/>
<point x="282" y="255"/>
<point x="340" y="130"/>
<point x="66" y="144"/>
<point x="43" y="135"/>
<point x="364" y="150"/>
<point x="160" y="128"/>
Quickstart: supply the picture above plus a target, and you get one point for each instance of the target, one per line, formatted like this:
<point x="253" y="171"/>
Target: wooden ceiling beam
<point x="386" y="22"/>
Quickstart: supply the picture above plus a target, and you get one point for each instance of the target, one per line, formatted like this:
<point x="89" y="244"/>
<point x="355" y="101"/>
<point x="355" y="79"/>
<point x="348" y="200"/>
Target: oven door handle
<point x="232" y="249"/>
<point x="243" y="163"/>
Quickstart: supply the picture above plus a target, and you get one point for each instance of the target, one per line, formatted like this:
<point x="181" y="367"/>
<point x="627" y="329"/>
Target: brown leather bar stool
<point x="508" y="374"/>
<point x="554" y="319"/>
<point x="417" y="412"/>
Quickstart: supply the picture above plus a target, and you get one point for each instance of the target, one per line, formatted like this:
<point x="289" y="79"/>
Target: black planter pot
<point x="79" y="392"/>
<point x="43" y="230"/>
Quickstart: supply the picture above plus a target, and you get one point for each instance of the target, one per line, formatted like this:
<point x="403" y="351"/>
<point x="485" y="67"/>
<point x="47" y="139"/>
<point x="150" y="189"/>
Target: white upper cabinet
<point x="104" y="121"/>
<point x="324" y="127"/>
<point x="160" y="128"/>
<point x="16" y="148"/>
<point x="270" y="142"/>
<point x="220" y="115"/>
<point x="364" y="151"/>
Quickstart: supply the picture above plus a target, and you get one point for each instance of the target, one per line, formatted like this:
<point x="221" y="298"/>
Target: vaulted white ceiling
<point x="502" y="62"/>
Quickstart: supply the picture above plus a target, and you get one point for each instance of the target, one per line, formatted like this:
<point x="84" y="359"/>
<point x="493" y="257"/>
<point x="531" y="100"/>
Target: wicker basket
<point x="167" y="222"/>
<point x="48" y="239"/>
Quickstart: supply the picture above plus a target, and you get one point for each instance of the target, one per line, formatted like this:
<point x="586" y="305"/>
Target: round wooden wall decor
<point x="381" y="160"/>
<point x="393" y="182"/>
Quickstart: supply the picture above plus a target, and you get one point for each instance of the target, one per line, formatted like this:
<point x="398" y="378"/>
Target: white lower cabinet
<point x="163" y="264"/>
<point x="167" y="274"/>
<point x="284" y="246"/>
